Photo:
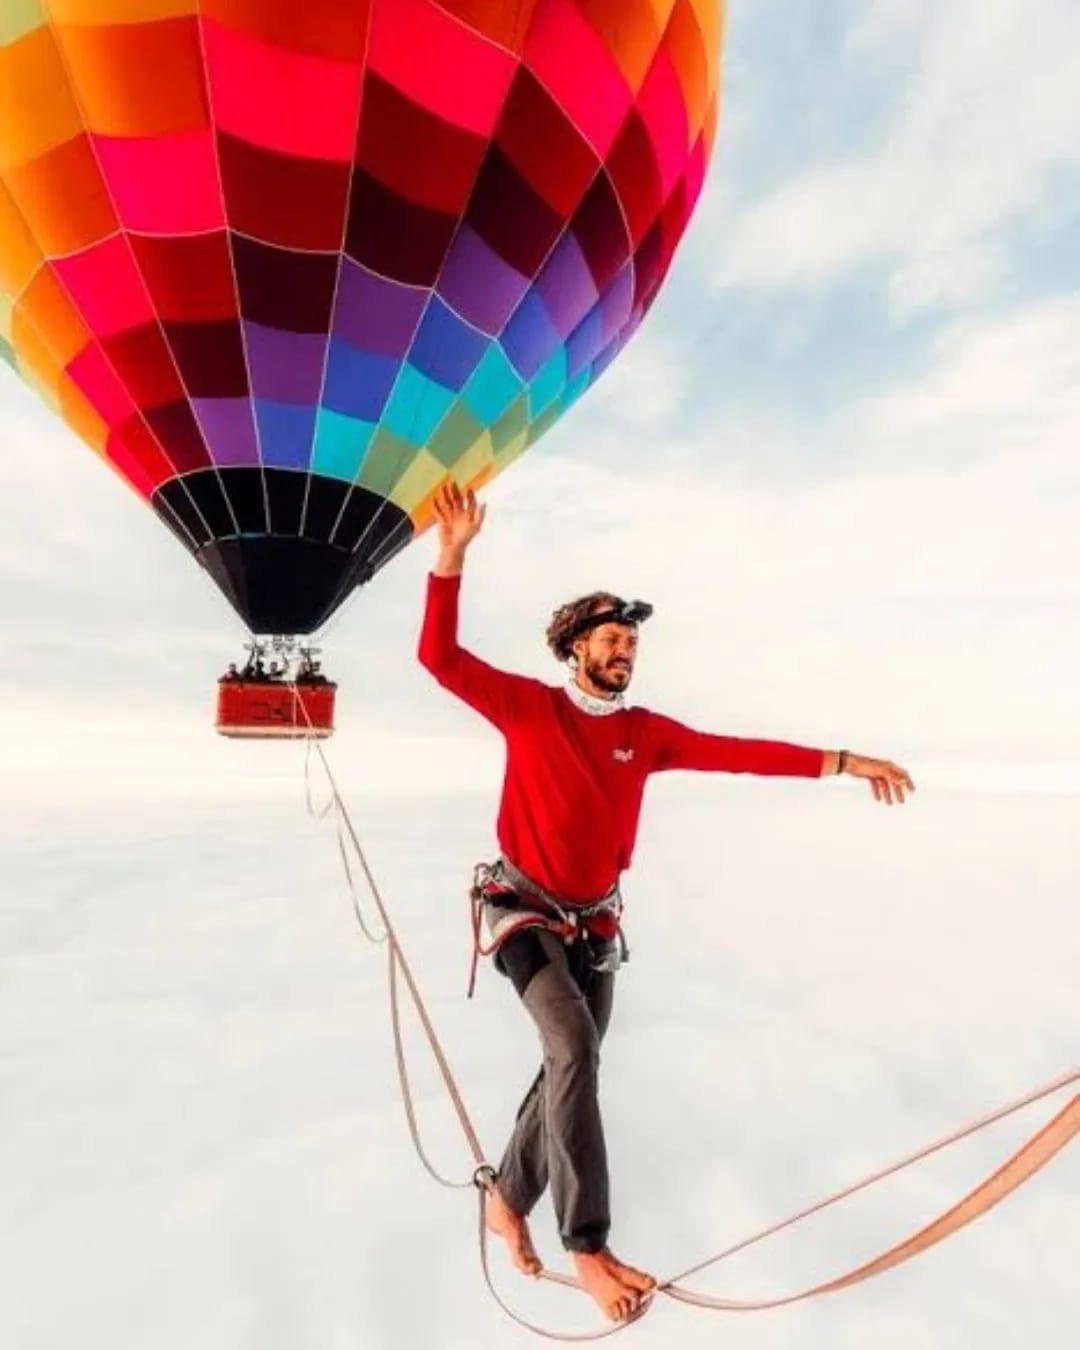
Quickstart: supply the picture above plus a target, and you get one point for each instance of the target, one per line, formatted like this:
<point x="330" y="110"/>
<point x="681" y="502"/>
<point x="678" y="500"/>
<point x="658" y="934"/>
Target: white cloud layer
<point x="204" y="1144"/>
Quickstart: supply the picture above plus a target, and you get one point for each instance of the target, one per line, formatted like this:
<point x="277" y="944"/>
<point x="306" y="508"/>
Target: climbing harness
<point x="512" y="902"/>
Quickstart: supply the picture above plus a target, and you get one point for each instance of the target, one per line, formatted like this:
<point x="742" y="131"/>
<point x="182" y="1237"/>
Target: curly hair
<point x="567" y="616"/>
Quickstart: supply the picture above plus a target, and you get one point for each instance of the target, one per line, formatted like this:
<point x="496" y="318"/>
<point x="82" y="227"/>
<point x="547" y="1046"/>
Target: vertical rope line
<point x="398" y="958"/>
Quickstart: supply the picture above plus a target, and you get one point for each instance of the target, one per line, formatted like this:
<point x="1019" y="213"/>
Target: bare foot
<point x="617" y="1300"/>
<point x="635" y="1279"/>
<point x="512" y="1227"/>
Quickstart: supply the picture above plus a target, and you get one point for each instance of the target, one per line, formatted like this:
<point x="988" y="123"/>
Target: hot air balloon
<point x="287" y="266"/>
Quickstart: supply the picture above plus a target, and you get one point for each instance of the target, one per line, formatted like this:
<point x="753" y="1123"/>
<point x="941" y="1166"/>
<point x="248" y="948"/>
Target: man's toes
<point x="616" y="1299"/>
<point x="622" y="1307"/>
<point x="619" y="1300"/>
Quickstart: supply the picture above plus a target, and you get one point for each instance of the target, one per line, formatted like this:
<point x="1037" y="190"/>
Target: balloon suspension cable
<point x="1023" y="1164"/>
<point x="398" y="963"/>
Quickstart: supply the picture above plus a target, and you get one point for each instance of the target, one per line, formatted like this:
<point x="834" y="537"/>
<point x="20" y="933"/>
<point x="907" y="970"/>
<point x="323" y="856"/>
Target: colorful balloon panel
<point x="287" y="266"/>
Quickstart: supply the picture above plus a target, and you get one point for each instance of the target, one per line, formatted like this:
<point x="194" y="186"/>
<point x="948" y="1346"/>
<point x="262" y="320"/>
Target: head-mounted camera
<point x="622" y="611"/>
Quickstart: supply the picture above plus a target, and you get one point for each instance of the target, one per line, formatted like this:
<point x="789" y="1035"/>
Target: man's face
<point x="606" y="656"/>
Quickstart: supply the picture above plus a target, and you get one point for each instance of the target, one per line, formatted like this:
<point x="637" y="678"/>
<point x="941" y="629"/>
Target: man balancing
<point x="577" y="761"/>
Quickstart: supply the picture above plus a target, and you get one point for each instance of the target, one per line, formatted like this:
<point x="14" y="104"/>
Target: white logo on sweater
<point x="623" y="756"/>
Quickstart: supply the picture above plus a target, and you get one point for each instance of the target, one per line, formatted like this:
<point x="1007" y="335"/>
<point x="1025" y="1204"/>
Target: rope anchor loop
<point x="485" y="1177"/>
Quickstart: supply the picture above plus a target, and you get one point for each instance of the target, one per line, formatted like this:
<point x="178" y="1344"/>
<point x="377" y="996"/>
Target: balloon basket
<point x="265" y="710"/>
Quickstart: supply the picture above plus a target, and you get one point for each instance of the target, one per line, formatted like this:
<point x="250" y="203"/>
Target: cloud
<point x="1012" y="380"/>
<point x="979" y="116"/>
<point x="647" y="385"/>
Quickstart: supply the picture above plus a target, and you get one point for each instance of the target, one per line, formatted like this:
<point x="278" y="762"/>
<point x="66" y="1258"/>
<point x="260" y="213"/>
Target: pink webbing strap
<point x="1032" y="1156"/>
<point x="1038" y="1151"/>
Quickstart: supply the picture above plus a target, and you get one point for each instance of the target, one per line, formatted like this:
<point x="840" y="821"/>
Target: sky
<point x="841" y="460"/>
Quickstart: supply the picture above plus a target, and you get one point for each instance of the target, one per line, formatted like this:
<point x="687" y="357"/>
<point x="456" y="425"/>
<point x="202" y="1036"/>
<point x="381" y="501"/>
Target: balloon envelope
<point x="286" y="266"/>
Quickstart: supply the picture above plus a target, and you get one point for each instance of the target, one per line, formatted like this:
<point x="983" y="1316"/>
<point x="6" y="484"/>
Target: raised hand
<point x="888" y="781"/>
<point x="459" y="514"/>
<point x="460" y="519"/>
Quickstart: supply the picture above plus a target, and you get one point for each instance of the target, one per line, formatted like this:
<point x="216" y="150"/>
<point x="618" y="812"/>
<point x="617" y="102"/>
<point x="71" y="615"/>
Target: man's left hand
<point x="888" y="781"/>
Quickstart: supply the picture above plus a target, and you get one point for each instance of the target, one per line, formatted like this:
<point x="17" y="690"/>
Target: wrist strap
<point x="841" y="763"/>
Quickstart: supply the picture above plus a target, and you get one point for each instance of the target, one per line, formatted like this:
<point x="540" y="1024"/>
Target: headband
<point x="623" y="611"/>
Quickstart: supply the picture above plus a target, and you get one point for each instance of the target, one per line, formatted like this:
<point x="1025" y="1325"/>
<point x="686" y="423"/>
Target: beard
<point x="613" y="680"/>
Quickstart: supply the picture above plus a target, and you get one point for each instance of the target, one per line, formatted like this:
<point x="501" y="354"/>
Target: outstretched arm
<point x="675" y="746"/>
<point x="495" y="694"/>
<point x="678" y="747"/>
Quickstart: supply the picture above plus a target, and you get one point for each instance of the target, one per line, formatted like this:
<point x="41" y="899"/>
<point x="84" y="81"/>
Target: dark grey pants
<point x="558" y="1136"/>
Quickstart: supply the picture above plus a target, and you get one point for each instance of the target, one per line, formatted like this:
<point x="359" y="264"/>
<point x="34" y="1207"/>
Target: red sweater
<point x="574" y="781"/>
